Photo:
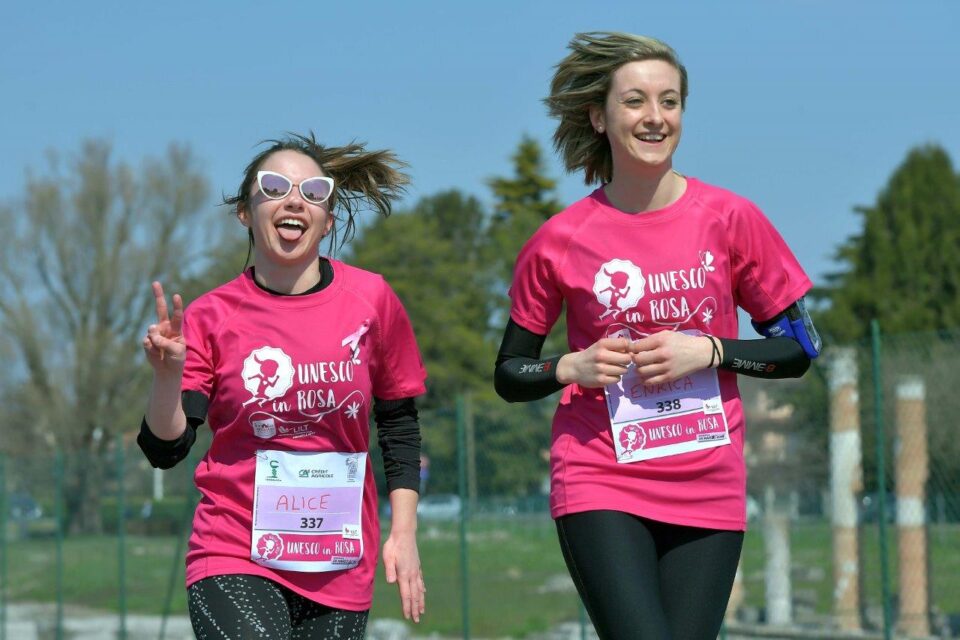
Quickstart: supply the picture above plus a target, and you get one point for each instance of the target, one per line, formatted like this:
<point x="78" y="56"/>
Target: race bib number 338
<point x="659" y="420"/>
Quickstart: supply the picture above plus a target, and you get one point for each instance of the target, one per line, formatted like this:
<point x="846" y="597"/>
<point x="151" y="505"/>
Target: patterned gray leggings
<point x="241" y="607"/>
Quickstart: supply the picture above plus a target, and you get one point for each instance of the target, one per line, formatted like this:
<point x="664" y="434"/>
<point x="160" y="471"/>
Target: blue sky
<point x="804" y="107"/>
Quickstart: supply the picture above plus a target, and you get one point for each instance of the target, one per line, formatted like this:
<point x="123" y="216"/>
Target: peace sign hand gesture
<point x="164" y="344"/>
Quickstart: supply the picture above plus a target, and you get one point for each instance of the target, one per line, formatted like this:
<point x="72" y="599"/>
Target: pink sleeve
<point x="198" y="368"/>
<point x="766" y="276"/>
<point x="399" y="371"/>
<point x="535" y="296"/>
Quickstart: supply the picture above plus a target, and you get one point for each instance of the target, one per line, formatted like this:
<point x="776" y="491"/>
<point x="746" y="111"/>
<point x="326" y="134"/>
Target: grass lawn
<point x="517" y="580"/>
<point x="90" y="572"/>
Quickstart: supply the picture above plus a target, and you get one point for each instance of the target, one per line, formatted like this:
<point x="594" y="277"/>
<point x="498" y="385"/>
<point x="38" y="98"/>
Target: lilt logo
<point x="618" y="286"/>
<point x="267" y="374"/>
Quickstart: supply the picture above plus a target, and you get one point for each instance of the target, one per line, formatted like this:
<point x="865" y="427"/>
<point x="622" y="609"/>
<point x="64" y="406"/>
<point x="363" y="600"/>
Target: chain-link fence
<point x="855" y="492"/>
<point x="854" y="509"/>
<point x="92" y="540"/>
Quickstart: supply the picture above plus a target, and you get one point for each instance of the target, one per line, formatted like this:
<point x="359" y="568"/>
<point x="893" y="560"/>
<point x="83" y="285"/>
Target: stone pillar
<point x="846" y="481"/>
<point x="776" y="541"/>
<point x="912" y="471"/>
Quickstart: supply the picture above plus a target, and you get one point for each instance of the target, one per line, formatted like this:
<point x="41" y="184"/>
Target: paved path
<point x="37" y="622"/>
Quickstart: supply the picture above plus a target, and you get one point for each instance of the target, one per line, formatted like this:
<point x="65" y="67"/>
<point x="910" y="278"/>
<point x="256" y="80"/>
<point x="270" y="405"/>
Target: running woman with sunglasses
<point x="648" y="483"/>
<point x="285" y="363"/>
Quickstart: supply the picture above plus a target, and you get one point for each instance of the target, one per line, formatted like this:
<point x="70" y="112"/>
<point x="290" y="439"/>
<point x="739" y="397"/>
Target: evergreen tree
<point x="431" y="256"/>
<point x="522" y="202"/>
<point x="904" y="267"/>
<point x="517" y="437"/>
<point x="451" y="264"/>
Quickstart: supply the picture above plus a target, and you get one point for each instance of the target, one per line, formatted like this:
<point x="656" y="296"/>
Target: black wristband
<point x="714" y="352"/>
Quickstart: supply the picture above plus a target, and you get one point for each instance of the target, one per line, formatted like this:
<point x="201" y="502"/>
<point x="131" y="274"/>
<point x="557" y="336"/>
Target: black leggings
<point x="238" y="607"/>
<point x="646" y="580"/>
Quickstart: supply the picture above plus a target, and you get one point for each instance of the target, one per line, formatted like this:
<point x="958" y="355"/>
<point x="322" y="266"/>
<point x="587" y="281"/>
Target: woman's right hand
<point x="600" y="364"/>
<point x="164" y="344"/>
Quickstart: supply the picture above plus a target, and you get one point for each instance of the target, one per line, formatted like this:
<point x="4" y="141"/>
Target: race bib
<point x="658" y="420"/>
<point x="307" y="510"/>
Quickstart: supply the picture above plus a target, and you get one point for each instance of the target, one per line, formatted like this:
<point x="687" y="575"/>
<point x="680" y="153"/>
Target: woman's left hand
<point x="402" y="563"/>
<point x="668" y="355"/>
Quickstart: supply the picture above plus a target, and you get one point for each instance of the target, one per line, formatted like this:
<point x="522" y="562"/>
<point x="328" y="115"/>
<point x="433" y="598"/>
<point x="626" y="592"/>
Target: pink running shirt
<point x="686" y="266"/>
<point x="291" y="373"/>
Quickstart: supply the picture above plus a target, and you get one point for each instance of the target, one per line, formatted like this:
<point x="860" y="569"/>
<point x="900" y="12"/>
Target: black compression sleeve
<point x="164" y="454"/>
<point x="520" y="374"/>
<point x="398" y="432"/>
<point x="768" y="358"/>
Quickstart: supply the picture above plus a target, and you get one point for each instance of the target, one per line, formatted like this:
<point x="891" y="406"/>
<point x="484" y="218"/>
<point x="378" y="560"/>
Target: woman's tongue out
<point x="291" y="230"/>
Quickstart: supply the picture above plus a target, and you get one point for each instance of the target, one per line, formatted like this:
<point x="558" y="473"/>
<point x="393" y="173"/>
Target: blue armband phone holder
<point x="794" y="323"/>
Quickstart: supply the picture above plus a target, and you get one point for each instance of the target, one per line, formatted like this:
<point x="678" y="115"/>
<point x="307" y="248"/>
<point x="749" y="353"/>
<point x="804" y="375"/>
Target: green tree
<point x="522" y="202"/>
<point x="451" y="265"/>
<point x="74" y="298"/>
<point x="904" y="267"/>
<point x="431" y="256"/>
<point x="514" y="439"/>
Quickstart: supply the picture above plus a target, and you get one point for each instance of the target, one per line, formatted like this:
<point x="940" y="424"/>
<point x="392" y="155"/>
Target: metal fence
<point x="854" y="513"/>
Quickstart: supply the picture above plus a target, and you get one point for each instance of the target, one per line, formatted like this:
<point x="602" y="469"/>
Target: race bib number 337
<point x="307" y="510"/>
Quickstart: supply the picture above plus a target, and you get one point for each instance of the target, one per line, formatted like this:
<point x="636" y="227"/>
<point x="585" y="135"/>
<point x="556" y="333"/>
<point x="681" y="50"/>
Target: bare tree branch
<point x="72" y="303"/>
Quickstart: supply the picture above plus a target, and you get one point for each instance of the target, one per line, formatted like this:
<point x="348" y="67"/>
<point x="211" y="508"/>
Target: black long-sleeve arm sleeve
<point x="767" y="358"/>
<point x="520" y="374"/>
<point x="398" y="433"/>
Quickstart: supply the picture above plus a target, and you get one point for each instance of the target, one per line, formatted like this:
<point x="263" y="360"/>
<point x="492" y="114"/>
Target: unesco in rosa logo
<point x="270" y="546"/>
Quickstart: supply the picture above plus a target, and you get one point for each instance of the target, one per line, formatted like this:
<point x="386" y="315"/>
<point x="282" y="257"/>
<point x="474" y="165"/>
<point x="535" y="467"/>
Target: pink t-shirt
<point x="291" y="373"/>
<point x="687" y="266"/>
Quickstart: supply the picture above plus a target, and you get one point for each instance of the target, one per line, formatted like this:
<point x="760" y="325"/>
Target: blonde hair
<point x="582" y="80"/>
<point x="361" y="179"/>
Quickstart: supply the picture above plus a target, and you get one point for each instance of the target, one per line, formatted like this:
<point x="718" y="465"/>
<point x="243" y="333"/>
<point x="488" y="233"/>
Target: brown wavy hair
<point x="362" y="179"/>
<point x="582" y="80"/>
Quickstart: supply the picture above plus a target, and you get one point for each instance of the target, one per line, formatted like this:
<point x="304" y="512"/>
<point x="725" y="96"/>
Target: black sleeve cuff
<point x="165" y="454"/>
<point x="398" y="433"/>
